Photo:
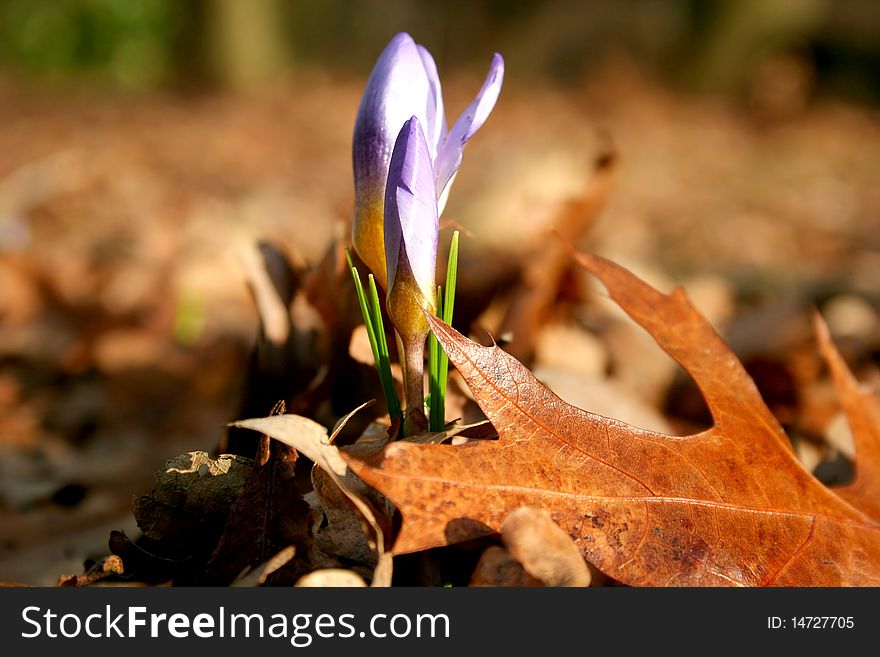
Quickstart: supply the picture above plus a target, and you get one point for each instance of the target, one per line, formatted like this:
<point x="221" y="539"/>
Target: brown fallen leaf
<point x="537" y="553"/>
<point x="269" y="515"/>
<point x="545" y="551"/>
<point x="546" y="268"/>
<point x="481" y="430"/>
<point x="311" y="439"/>
<point x="258" y="575"/>
<point x="343" y="536"/>
<point x="728" y="506"/>
<point x="331" y="577"/>
<point x="101" y="569"/>
<point x="497" y="567"/>
<point x="863" y="414"/>
<point x="184" y="515"/>
<point x="286" y="356"/>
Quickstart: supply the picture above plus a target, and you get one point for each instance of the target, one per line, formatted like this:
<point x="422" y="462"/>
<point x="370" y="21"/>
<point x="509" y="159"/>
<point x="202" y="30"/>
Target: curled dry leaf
<point x="545" y="551"/>
<point x="359" y="346"/>
<point x="269" y="516"/>
<point x="482" y="430"/>
<point x="537" y="552"/>
<point x="311" y="439"/>
<point x="497" y="567"/>
<point x="331" y="577"/>
<point x="728" y="506"/>
<point x="272" y="304"/>
<point x="289" y="350"/>
<point x="343" y="536"/>
<point x="258" y="575"/>
<point x="101" y="569"/>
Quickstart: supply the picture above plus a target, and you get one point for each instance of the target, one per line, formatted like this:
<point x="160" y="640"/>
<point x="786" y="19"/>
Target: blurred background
<point x="146" y="145"/>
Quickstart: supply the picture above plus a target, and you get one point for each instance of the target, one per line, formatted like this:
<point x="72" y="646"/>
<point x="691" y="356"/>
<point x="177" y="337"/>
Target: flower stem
<point x="413" y="380"/>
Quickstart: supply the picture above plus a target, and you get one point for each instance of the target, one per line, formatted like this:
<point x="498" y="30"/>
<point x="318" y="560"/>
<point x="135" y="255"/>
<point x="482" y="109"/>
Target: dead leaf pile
<point x="541" y="494"/>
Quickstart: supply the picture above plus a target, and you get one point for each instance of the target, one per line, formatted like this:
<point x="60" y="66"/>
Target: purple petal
<point x="403" y="83"/>
<point x="444" y="195"/>
<point x="449" y="158"/>
<point x="435" y="119"/>
<point x="411" y="223"/>
<point x="397" y="89"/>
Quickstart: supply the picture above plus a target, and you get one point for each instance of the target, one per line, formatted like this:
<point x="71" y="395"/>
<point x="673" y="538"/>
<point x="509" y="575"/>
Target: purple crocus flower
<point x="404" y="83"/>
<point x="410" y="233"/>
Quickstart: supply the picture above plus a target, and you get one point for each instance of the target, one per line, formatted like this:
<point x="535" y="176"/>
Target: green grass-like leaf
<point x="436" y="398"/>
<point x="372" y="314"/>
<point x="438" y="362"/>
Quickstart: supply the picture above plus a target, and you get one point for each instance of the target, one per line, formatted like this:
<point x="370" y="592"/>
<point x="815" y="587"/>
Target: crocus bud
<point x="404" y="83"/>
<point x="411" y="226"/>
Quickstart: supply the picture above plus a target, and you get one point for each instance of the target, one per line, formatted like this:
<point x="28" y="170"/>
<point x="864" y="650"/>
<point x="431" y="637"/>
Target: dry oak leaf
<point x="862" y="411"/>
<point x="730" y="506"/>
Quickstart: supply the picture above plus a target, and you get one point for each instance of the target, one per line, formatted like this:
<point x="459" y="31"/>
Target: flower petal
<point x="411" y="222"/>
<point x="449" y="158"/>
<point x="403" y="83"/>
<point x="435" y="119"/>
